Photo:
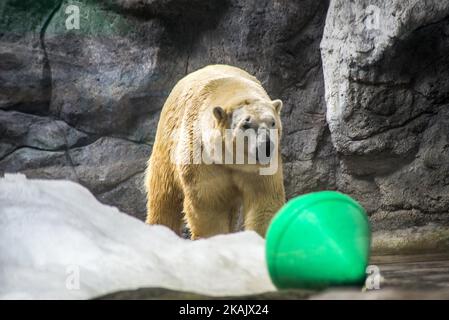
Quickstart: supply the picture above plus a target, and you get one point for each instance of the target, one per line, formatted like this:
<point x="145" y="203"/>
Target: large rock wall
<point x="387" y="79"/>
<point x="84" y="104"/>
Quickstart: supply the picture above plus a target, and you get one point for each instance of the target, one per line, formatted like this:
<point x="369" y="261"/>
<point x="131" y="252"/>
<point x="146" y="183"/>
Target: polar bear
<point x="198" y="170"/>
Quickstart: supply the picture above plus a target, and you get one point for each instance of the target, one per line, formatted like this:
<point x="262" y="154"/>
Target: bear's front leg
<point x="206" y="220"/>
<point x="261" y="201"/>
<point x="211" y="200"/>
<point x="164" y="197"/>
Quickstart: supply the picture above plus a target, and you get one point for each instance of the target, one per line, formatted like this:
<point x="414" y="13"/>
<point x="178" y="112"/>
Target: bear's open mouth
<point x="264" y="152"/>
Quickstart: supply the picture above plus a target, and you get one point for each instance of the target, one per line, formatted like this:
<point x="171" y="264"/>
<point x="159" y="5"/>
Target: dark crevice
<point x="98" y="136"/>
<point x="425" y="212"/>
<point x="302" y="83"/>
<point x="67" y="154"/>
<point x="386" y="84"/>
<point x="393" y="127"/>
<point x="65" y="148"/>
<point x="175" y="14"/>
<point x="47" y="77"/>
<point x="298" y="130"/>
<point x="93" y="135"/>
<point x="30" y="147"/>
<point x="424" y="26"/>
<point x="115" y="185"/>
<point x="48" y="82"/>
<point x="324" y="139"/>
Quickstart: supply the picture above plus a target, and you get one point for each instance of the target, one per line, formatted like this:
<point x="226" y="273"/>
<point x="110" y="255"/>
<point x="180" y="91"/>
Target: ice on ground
<point x="57" y="241"/>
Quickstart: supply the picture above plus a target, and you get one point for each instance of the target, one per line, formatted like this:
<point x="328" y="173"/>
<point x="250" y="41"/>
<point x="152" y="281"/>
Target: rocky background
<point x="365" y="86"/>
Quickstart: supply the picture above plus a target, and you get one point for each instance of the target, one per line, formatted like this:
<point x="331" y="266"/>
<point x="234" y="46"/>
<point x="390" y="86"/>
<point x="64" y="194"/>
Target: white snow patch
<point x="49" y="229"/>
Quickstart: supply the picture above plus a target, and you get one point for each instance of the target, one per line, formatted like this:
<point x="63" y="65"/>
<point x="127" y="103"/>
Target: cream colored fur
<point x="209" y="197"/>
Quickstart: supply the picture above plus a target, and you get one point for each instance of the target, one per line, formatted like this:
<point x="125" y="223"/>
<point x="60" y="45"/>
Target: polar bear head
<point x="251" y="130"/>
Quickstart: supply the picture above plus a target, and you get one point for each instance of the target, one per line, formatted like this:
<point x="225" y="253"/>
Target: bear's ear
<point x="277" y="104"/>
<point x="219" y="114"/>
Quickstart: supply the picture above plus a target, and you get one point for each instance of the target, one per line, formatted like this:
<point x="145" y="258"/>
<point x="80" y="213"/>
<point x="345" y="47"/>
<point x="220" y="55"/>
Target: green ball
<point x="318" y="240"/>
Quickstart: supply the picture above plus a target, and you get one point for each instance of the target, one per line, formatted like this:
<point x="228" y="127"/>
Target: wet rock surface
<point x="364" y="87"/>
<point x="400" y="277"/>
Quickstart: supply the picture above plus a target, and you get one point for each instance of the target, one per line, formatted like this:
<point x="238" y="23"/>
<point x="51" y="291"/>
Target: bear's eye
<point x="273" y="123"/>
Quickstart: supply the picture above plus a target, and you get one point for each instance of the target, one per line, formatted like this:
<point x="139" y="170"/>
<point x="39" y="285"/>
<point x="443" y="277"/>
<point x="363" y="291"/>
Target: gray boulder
<point x="386" y="69"/>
